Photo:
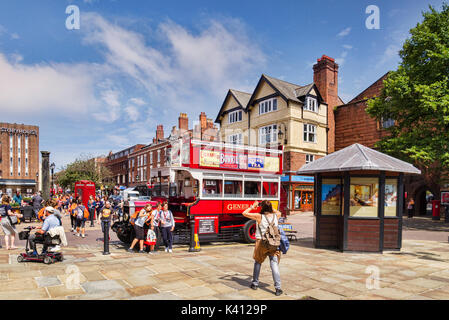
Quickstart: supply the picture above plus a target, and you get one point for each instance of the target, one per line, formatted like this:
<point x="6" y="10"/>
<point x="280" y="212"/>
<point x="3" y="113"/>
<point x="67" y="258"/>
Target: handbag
<point x="151" y="237"/>
<point x="285" y="244"/>
<point x="13" y="220"/>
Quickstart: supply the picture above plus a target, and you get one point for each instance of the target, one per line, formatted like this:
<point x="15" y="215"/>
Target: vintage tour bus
<point x="210" y="184"/>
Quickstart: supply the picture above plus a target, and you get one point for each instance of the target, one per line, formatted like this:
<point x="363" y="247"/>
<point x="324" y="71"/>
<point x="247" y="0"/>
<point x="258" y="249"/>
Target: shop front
<point x="298" y="191"/>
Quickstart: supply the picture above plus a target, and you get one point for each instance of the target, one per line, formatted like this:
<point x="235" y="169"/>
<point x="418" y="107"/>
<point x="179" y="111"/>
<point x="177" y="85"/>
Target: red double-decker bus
<point x="211" y="184"/>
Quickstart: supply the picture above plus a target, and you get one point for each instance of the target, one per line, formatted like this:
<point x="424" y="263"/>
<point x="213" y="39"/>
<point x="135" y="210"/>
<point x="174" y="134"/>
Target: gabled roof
<point x="287" y="90"/>
<point x="241" y="97"/>
<point x="366" y="94"/>
<point x="358" y="157"/>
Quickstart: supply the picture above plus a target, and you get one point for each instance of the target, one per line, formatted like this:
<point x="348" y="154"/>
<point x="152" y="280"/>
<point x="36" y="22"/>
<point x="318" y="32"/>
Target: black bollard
<point x="446" y="215"/>
<point x="106" y="238"/>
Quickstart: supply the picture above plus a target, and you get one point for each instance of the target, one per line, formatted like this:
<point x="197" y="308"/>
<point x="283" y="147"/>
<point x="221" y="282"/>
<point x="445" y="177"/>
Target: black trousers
<point x="91" y="216"/>
<point x="167" y="237"/>
<point x="37" y="238"/>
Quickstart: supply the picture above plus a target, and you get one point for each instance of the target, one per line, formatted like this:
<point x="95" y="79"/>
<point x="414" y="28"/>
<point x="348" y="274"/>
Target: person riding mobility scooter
<point x="46" y="236"/>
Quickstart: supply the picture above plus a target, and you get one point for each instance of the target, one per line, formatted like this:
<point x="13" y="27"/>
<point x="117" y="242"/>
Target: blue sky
<point x="135" y="64"/>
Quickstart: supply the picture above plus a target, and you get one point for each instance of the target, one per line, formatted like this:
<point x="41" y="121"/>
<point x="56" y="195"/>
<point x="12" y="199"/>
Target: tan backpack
<point x="271" y="239"/>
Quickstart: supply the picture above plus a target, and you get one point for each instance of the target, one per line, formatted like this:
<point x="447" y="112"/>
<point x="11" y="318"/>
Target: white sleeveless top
<point x="262" y="227"/>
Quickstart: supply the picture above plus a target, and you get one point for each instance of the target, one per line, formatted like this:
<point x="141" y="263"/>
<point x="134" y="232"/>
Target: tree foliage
<point x="416" y="96"/>
<point x="84" y="168"/>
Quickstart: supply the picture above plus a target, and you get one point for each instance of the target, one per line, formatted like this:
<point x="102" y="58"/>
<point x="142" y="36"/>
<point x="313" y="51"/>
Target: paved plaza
<point x="223" y="271"/>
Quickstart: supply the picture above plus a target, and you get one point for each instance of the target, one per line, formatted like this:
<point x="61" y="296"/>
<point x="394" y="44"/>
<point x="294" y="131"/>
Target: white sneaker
<point x="170" y="250"/>
<point x="71" y="230"/>
<point x="55" y="249"/>
<point x="166" y="249"/>
<point x="150" y="252"/>
<point x="77" y="234"/>
<point x="82" y="236"/>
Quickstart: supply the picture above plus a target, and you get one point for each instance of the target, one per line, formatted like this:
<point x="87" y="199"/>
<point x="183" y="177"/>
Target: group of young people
<point x="159" y="219"/>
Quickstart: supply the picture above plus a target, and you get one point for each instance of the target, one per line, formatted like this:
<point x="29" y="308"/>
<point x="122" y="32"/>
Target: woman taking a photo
<point x="263" y="219"/>
<point x="139" y="220"/>
<point x="8" y="227"/>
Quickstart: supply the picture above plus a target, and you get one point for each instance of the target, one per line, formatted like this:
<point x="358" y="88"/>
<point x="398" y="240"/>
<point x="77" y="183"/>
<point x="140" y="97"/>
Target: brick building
<point x="354" y="125"/>
<point x="19" y="158"/>
<point x="117" y="163"/>
<point x="149" y="165"/>
<point x="298" y="117"/>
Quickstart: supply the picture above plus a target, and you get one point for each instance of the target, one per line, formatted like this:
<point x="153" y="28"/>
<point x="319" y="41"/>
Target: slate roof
<point x="358" y="157"/>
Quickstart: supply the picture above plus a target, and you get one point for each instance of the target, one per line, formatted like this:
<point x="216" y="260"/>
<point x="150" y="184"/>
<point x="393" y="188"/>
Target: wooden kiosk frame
<point x="355" y="180"/>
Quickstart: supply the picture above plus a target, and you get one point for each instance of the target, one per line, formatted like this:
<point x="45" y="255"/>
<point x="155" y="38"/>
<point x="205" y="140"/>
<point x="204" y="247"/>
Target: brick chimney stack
<point x="183" y="123"/>
<point x="203" y="121"/>
<point x="325" y="77"/>
<point x="160" y="132"/>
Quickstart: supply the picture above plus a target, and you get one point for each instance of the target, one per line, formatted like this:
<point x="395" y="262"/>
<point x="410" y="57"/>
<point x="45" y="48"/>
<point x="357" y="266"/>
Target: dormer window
<point x="268" y="106"/>
<point x="311" y="104"/>
<point x="235" y="116"/>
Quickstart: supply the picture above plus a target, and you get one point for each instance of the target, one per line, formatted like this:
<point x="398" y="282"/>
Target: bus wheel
<point x="249" y="231"/>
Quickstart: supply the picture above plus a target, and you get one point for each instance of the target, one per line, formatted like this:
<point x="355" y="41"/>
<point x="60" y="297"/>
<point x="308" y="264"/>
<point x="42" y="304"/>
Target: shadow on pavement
<point x="245" y="282"/>
<point x="424" y="223"/>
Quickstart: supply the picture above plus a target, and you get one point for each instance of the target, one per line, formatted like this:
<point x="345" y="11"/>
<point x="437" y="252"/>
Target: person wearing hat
<point x="51" y="220"/>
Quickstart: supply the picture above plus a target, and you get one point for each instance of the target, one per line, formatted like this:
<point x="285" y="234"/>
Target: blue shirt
<point x="50" y="222"/>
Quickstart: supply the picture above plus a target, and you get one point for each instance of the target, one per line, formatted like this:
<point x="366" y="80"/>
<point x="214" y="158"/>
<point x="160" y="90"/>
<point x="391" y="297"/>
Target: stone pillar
<point x="45" y="175"/>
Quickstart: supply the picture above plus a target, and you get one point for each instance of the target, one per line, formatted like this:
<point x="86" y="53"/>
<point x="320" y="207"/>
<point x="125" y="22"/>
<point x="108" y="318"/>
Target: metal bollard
<point x="106" y="238"/>
<point x="193" y="245"/>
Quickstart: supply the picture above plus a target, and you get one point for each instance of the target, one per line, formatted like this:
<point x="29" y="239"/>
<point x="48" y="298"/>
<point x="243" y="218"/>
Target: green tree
<point x="84" y="168"/>
<point x="416" y="96"/>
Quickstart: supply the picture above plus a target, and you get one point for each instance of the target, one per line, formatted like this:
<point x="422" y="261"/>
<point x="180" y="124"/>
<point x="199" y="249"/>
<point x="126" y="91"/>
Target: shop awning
<point x="17" y="182"/>
<point x="358" y="157"/>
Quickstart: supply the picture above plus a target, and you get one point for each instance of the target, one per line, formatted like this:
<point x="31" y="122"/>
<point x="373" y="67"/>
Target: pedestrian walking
<point x="267" y="225"/>
<point x="138" y="220"/>
<point x="72" y="207"/>
<point x="91" y="205"/>
<point x="105" y="216"/>
<point x="167" y="227"/>
<point x="410" y="207"/>
<point x="81" y="216"/>
<point x="37" y="203"/>
<point x="8" y="219"/>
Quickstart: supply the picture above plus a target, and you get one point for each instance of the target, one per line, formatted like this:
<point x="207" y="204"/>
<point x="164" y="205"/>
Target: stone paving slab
<point x="419" y="271"/>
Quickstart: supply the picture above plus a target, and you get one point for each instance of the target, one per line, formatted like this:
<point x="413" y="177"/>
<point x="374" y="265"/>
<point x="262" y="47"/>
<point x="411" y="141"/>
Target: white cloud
<point x="391" y="53"/>
<point x="344" y="32"/>
<point x="347" y="46"/>
<point x="209" y="62"/>
<point x="65" y="88"/>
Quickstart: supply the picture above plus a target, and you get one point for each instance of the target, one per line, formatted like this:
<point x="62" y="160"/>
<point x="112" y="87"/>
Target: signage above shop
<point x="18" y="131"/>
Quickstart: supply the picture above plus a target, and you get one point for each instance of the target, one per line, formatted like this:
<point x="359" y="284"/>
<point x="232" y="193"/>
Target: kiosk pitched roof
<point x="358" y="157"/>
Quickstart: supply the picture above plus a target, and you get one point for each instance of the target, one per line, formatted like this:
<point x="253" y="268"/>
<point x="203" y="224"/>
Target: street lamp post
<point x="52" y="168"/>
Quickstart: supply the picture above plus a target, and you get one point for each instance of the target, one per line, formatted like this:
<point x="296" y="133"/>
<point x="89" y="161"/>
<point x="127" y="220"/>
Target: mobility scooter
<point x="52" y="255"/>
